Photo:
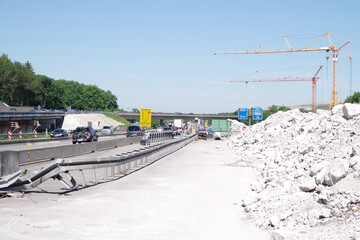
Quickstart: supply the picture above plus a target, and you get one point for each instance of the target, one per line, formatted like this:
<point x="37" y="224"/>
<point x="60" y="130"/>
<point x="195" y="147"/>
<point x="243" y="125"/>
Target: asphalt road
<point x="47" y="144"/>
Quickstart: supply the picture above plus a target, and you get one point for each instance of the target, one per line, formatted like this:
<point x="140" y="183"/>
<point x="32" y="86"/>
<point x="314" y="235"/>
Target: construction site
<point x="171" y="120"/>
<point x="307" y="164"/>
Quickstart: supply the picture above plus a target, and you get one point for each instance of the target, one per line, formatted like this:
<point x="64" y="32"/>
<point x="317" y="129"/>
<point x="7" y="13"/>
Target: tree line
<point x="20" y="86"/>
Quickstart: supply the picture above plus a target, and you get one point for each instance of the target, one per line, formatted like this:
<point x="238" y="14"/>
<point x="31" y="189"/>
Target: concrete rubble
<point x="308" y="173"/>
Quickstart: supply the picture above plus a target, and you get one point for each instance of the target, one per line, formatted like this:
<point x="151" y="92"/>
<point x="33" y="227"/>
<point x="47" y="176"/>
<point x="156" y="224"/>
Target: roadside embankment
<point x="71" y="121"/>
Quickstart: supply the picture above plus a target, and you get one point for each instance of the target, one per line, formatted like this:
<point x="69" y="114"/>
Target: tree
<point x="20" y="86"/>
<point x="355" y="98"/>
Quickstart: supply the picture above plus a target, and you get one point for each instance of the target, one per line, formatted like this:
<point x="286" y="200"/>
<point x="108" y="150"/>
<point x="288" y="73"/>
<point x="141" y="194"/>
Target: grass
<point x="118" y="119"/>
<point x="24" y="137"/>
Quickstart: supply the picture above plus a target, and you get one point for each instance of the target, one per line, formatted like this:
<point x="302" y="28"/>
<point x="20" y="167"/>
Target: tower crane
<point x="331" y="47"/>
<point x="291" y="79"/>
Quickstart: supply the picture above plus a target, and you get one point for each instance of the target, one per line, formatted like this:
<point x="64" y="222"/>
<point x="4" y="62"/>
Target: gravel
<point x="308" y="174"/>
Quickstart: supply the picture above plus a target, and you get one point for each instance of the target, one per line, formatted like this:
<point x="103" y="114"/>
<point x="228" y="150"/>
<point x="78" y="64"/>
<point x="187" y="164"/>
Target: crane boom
<point x="331" y="47"/>
<point x="277" y="51"/>
<point x="273" y="80"/>
<point x="290" y="79"/>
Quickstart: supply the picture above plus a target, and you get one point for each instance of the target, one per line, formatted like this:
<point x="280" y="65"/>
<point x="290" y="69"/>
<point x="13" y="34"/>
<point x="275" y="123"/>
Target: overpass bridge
<point x="48" y="119"/>
<point x="133" y="117"/>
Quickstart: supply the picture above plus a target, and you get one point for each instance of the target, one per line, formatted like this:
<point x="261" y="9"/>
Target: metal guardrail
<point x="151" y="137"/>
<point x="122" y="162"/>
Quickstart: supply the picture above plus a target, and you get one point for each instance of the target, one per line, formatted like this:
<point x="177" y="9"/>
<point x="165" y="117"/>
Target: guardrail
<point x="11" y="160"/>
<point x="151" y="137"/>
<point x="123" y="163"/>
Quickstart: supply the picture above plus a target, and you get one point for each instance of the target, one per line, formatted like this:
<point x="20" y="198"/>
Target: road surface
<point x="47" y="144"/>
<point x="191" y="194"/>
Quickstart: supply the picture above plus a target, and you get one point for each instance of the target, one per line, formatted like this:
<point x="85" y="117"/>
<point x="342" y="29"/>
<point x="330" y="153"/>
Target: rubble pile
<point x="308" y="173"/>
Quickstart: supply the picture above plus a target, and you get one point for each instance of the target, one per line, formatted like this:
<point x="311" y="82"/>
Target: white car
<point x="164" y="129"/>
<point x="107" y="130"/>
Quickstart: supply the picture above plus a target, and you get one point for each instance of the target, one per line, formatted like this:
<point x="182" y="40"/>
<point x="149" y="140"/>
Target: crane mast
<point x="331" y="47"/>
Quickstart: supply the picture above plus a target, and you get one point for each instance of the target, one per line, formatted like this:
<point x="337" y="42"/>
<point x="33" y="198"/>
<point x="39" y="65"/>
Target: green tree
<point x="355" y="98"/>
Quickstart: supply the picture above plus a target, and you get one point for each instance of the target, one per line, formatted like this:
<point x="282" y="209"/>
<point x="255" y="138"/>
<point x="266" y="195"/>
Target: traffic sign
<point x="257" y="114"/>
<point x="242" y="113"/>
<point x="145" y="117"/>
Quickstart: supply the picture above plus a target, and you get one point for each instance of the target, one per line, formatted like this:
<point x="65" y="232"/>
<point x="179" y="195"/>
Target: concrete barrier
<point x="47" y="139"/>
<point x="11" y="160"/>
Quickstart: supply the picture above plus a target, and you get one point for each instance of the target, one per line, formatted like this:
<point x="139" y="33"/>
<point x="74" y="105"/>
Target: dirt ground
<point x="191" y="194"/>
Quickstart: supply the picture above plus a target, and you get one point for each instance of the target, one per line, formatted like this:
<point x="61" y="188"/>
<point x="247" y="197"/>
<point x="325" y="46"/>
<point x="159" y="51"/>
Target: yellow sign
<point x="145" y="117"/>
<point x="205" y="124"/>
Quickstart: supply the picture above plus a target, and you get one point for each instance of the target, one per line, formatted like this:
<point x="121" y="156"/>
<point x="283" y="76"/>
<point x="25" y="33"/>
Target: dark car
<point x="59" y="133"/>
<point x="135" y="130"/>
<point x="84" y="134"/>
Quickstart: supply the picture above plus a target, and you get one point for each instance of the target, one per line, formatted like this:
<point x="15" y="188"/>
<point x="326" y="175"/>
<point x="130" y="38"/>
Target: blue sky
<point x="159" y="54"/>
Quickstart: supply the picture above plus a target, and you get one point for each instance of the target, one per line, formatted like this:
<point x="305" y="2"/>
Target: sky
<point x="160" y="54"/>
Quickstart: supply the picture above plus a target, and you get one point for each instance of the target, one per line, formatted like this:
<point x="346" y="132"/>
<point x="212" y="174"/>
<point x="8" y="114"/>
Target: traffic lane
<point x="191" y="194"/>
<point x="49" y="144"/>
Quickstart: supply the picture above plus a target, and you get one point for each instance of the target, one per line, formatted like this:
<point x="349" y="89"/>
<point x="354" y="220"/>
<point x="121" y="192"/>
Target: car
<point x="206" y="133"/>
<point x="202" y="133"/>
<point x="84" y="134"/>
<point x="135" y="130"/>
<point x="180" y="131"/>
<point x="107" y="130"/>
<point x="164" y="129"/>
<point x="174" y="130"/>
<point x="59" y="133"/>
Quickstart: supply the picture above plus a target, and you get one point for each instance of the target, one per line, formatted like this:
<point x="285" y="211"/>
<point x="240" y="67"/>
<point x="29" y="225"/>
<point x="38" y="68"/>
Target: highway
<point x="190" y="194"/>
<point x="49" y="144"/>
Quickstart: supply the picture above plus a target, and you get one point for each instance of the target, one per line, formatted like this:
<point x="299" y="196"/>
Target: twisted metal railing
<point x="118" y="165"/>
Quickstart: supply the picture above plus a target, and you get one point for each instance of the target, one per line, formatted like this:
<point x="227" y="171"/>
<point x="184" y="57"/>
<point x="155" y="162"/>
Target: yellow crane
<point x="309" y="48"/>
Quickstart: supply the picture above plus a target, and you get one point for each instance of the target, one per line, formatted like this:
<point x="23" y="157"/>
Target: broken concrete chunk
<point x="351" y="110"/>
<point x="336" y="171"/>
<point x="280" y="234"/>
<point x="308" y="185"/>
<point x="250" y="198"/>
<point x="356" y="236"/>
<point x="317" y="167"/>
<point x="274" y="221"/>
<point x="337" y="110"/>
<point x="356" y="149"/>
<point x="354" y="161"/>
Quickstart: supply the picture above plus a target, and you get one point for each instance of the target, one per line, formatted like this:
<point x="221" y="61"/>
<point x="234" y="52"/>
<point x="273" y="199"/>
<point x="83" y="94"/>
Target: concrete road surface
<point x="192" y="194"/>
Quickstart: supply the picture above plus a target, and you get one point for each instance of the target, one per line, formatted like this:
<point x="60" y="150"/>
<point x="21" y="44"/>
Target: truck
<point x="178" y="123"/>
